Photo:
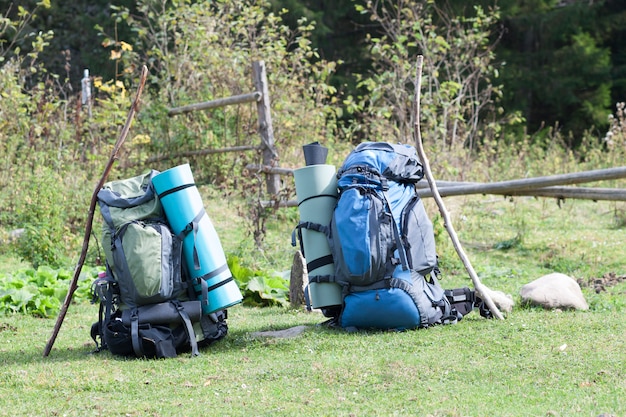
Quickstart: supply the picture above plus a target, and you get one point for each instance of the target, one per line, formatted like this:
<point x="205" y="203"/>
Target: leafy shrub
<point x="41" y="291"/>
<point x="43" y="215"/>
<point x="51" y="149"/>
<point x="259" y="288"/>
<point x="198" y="53"/>
<point x="458" y="88"/>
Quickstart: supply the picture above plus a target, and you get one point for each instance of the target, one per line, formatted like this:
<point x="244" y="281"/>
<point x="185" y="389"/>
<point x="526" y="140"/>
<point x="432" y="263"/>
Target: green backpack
<point x="143" y="255"/>
<point x="147" y="307"/>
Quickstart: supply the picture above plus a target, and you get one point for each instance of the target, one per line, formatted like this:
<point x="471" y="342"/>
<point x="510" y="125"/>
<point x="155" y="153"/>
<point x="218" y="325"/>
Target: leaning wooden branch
<point x="480" y="288"/>
<point x="92" y="208"/>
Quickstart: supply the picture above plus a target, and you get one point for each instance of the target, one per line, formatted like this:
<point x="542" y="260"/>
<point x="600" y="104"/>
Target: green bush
<point x="41" y="291"/>
<point x="259" y="288"/>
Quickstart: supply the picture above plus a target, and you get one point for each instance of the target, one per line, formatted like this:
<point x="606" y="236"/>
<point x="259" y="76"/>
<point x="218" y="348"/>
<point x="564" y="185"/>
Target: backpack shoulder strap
<point x="103" y="289"/>
<point x="396" y="231"/>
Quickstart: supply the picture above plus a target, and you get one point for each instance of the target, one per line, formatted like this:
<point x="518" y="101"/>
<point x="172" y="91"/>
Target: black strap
<point x="483" y="309"/>
<point x="319" y="262"/>
<point x="364" y="170"/>
<point x="188" y="327"/>
<point x="464" y="300"/>
<point x="215" y="272"/>
<point x="97" y="331"/>
<point x="396" y="231"/>
<point x="192" y="226"/>
<point x="134" y="333"/>
<point x="204" y="287"/>
<point x="321" y="278"/>
<point x="309" y="226"/>
<point x="175" y="189"/>
<point x="307" y="298"/>
<point x="103" y="289"/>
<point x="219" y="284"/>
<point x="317" y="196"/>
<point x="204" y="291"/>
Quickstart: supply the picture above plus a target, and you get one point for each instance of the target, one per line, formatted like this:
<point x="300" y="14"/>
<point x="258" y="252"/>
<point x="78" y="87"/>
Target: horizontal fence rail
<point x="213" y="104"/>
<point x="547" y="186"/>
<point x="265" y="128"/>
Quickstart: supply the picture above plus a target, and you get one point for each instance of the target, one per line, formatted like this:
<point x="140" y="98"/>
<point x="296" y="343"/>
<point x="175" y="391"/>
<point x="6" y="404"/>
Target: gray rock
<point x="553" y="291"/>
<point x="503" y="301"/>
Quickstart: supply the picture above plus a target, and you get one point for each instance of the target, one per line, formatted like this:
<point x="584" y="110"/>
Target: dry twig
<point x="92" y="208"/>
<point x="478" y="286"/>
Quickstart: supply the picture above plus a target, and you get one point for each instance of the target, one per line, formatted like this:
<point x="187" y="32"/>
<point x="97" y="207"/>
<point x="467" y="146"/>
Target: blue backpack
<point x="383" y="246"/>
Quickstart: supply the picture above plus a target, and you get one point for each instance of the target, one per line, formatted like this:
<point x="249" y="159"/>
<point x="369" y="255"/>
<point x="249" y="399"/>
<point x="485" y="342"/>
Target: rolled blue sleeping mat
<point x="202" y="250"/>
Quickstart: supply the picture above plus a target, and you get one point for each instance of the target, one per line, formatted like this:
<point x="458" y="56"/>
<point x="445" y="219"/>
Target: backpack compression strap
<point x="134" y="333"/>
<point x="192" y="226"/>
<point x="204" y="287"/>
<point x="102" y="289"/>
<point x="324" y="260"/>
<point x="314" y="263"/>
<point x="136" y="339"/>
<point x="396" y="231"/>
<point x="188" y="327"/>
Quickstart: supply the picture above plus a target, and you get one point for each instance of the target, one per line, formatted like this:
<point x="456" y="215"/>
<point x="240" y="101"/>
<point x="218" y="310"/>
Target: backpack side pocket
<point x="361" y="237"/>
<point x="418" y="237"/>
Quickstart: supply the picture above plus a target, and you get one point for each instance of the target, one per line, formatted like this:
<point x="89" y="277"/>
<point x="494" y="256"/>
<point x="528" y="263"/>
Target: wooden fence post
<point x="270" y="156"/>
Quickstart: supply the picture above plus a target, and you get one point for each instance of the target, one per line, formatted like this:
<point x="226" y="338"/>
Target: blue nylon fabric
<point x="378" y="160"/>
<point x="399" y="196"/>
<point x="402" y="274"/>
<point x="380" y="309"/>
<point x="352" y="221"/>
<point x="396" y="162"/>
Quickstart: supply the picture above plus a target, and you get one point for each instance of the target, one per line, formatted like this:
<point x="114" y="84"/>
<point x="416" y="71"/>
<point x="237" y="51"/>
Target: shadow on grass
<point x="12" y="356"/>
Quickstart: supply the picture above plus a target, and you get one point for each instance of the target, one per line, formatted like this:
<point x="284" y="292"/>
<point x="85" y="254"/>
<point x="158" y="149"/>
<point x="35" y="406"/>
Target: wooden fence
<point x="548" y="186"/>
<point x="266" y="131"/>
<point x="551" y="186"/>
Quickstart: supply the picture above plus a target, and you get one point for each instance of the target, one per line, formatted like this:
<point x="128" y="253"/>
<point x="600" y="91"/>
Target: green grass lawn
<point x="533" y="363"/>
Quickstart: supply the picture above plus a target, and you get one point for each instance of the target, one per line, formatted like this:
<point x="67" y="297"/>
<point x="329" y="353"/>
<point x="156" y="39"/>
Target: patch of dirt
<point x="600" y="284"/>
<point x="6" y="326"/>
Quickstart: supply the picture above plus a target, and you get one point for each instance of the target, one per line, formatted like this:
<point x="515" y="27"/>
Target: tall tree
<point x="76" y="42"/>
<point x="340" y="34"/>
<point x="555" y="68"/>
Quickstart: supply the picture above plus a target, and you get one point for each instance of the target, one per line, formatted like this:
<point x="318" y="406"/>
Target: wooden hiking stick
<point x="92" y="208"/>
<point x="478" y="286"/>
